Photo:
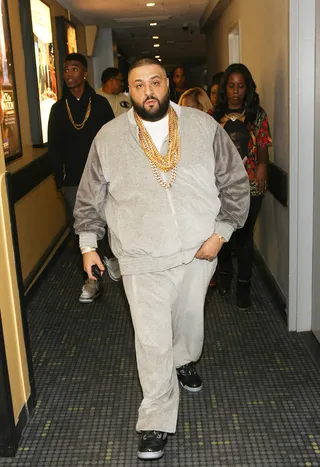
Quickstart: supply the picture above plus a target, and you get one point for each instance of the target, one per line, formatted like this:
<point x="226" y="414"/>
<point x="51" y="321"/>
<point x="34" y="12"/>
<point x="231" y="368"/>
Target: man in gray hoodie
<point x="171" y="191"/>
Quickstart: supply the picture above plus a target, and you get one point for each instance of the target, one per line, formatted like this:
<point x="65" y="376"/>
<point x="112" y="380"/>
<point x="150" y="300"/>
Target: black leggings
<point x="242" y="239"/>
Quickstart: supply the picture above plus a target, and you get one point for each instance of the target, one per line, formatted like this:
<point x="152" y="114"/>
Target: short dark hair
<point x="177" y="68"/>
<point x="146" y="61"/>
<point x="216" y="79"/>
<point x="109" y="73"/>
<point x="77" y="58"/>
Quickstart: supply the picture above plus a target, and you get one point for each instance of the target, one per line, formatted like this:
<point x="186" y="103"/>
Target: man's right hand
<point x="90" y="259"/>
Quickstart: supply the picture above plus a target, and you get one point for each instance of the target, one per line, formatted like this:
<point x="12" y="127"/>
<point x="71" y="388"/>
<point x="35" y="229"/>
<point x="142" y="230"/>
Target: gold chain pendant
<point x="79" y="126"/>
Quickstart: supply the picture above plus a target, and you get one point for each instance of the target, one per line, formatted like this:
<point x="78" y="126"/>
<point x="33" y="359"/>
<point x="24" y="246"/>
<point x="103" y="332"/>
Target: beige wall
<point x="265" y="51"/>
<point x="37" y="227"/>
<point x="10" y="308"/>
<point x="40" y="214"/>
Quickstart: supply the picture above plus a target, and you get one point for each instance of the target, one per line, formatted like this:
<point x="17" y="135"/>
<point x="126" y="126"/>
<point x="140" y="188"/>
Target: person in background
<point x="172" y="192"/>
<point x="196" y="98"/>
<point x="73" y="123"/>
<point x="179" y="83"/>
<point x="112" y="84"/>
<point x="214" y="88"/>
<point x="240" y="114"/>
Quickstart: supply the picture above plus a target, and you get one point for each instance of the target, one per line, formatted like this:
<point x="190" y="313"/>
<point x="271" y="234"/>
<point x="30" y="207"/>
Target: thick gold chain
<point x="163" y="163"/>
<point x="157" y="161"/>
<point x="79" y="126"/>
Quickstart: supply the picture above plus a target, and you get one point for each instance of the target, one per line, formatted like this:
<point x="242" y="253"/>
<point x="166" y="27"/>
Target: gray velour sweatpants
<point x="167" y="314"/>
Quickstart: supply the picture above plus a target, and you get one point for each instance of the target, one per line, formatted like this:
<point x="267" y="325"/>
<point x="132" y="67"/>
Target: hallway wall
<point x="40" y="214"/>
<point x="264" y="31"/>
<point x="10" y="312"/>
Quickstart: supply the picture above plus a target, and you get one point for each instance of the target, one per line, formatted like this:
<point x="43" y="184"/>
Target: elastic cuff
<point x="88" y="239"/>
<point x="224" y="229"/>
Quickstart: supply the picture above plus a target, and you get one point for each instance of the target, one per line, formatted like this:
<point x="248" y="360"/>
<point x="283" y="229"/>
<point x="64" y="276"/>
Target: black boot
<point x="243" y="294"/>
<point x="224" y="283"/>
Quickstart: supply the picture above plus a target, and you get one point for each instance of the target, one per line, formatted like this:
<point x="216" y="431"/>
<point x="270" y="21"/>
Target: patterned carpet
<point x="259" y="406"/>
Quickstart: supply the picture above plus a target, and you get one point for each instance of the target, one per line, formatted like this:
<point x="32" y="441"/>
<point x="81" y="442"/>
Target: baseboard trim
<point x="10" y="449"/>
<point x="25" y="415"/>
<point x="271" y="284"/>
<point x="312" y="345"/>
<point x="45" y="263"/>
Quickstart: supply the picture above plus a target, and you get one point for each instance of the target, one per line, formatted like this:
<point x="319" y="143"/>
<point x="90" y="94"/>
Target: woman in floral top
<point x="240" y="114"/>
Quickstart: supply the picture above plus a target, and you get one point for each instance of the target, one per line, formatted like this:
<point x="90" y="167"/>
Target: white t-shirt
<point x="158" y="130"/>
<point x="120" y="103"/>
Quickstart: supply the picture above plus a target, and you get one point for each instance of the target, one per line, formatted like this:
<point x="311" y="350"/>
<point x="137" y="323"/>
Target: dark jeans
<point x="242" y="240"/>
<point x="69" y="195"/>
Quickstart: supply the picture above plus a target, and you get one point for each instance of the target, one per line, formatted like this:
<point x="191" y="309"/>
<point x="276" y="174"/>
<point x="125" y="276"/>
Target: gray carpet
<point x="259" y="405"/>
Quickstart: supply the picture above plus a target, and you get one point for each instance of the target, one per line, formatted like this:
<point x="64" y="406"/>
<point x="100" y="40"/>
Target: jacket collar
<point x="88" y="92"/>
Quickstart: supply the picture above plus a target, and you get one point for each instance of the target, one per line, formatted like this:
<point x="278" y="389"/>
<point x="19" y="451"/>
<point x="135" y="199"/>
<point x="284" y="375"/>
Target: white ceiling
<point x="178" y="26"/>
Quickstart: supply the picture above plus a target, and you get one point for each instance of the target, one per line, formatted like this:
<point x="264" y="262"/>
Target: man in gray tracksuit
<point x="166" y="230"/>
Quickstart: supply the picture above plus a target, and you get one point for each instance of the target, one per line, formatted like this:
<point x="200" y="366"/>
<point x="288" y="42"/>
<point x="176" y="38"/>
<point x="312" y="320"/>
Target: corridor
<point x="259" y="405"/>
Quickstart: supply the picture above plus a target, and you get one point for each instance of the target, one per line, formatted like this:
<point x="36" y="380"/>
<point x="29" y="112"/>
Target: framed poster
<point x="44" y="61"/>
<point x="9" y="119"/>
<point x="71" y="37"/>
<point x="67" y="41"/>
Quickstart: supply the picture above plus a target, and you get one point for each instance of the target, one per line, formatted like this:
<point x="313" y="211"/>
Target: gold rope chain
<point x="79" y="126"/>
<point x="157" y="161"/>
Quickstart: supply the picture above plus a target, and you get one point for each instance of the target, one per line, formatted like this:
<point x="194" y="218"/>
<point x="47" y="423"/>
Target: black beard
<point x="153" y="116"/>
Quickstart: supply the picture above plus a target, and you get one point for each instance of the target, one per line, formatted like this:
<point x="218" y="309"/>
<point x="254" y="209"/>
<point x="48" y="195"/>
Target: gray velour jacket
<point x="153" y="228"/>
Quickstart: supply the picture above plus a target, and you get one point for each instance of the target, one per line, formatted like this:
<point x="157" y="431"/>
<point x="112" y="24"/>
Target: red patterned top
<point x="260" y="137"/>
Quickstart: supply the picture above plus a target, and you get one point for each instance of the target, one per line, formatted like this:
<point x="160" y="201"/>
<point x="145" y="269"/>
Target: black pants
<point x="242" y="240"/>
<point x="69" y="195"/>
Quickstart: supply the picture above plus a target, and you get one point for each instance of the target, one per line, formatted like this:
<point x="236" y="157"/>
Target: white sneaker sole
<point x="145" y="456"/>
<point x="89" y="300"/>
<point x="187" y="388"/>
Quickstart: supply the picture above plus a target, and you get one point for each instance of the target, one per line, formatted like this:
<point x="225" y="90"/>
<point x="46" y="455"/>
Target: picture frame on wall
<point x="37" y="34"/>
<point x="66" y="41"/>
<point x="9" y="115"/>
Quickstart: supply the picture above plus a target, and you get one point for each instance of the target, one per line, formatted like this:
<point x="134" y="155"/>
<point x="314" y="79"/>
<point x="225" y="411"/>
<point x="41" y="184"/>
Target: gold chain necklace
<point x="235" y="116"/>
<point x="79" y="126"/>
<point x="157" y="161"/>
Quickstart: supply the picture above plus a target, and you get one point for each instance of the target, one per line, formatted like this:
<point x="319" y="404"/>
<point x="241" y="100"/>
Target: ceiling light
<point x="153" y="24"/>
<point x="156" y="45"/>
<point x="159" y="60"/>
<point x="157" y="56"/>
<point x="150" y="4"/>
<point x="155" y="37"/>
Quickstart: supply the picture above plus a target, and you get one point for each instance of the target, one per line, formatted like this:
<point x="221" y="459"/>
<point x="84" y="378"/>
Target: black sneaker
<point x="189" y="378"/>
<point x="151" y="445"/>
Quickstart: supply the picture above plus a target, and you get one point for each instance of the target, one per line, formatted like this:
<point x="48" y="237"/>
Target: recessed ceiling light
<point x="153" y="24"/>
<point x="157" y="56"/>
<point x="155" y="37"/>
<point x="150" y="4"/>
<point x="156" y="45"/>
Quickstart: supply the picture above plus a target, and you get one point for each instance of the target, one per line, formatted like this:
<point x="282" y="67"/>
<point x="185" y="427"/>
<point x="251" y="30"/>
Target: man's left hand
<point x="210" y="248"/>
